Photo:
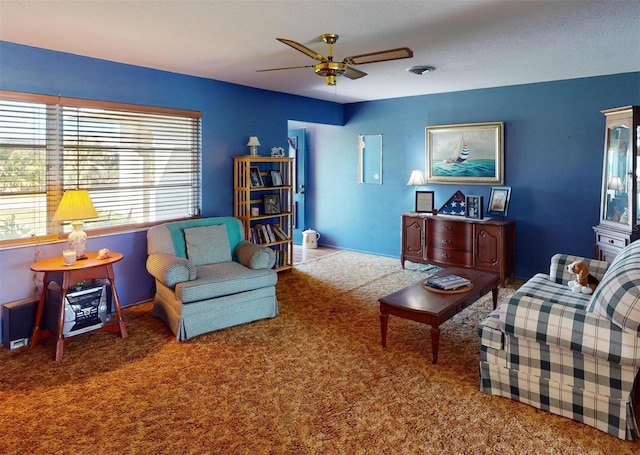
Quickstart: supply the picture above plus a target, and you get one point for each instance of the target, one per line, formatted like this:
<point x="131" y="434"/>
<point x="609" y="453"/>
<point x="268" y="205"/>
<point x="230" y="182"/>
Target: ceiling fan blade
<point x="382" y="56"/>
<point x="285" y="68"/>
<point x="303" y="49"/>
<point x="353" y="73"/>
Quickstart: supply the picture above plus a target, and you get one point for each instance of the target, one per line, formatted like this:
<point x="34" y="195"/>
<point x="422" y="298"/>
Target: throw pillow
<point x="617" y="297"/>
<point x="207" y="244"/>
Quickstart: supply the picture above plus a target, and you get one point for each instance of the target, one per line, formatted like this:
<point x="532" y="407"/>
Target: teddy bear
<point x="584" y="283"/>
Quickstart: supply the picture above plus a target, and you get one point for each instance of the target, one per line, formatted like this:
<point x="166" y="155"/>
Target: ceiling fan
<point x="330" y="69"/>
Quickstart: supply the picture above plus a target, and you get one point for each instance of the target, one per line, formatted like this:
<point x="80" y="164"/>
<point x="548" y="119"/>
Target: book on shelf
<point x="279" y="232"/>
<point x="281" y="258"/>
<point x="268" y="233"/>
<point x="259" y="234"/>
<point x="447" y="282"/>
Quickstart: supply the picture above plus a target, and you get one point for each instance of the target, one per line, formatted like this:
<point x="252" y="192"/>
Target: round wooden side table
<point x="66" y="276"/>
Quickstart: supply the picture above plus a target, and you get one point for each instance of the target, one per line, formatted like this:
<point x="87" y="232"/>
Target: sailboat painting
<point x="470" y="153"/>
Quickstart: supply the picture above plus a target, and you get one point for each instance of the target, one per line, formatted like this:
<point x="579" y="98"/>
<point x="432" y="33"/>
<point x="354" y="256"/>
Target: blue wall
<point x="553" y="150"/>
<point x="230" y="114"/>
<point x="554" y="140"/>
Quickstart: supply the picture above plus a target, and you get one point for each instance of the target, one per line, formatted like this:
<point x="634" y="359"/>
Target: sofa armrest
<point x="170" y="270"/>
<point x="572" y="328"/>
<point x="255" y="256"/>
<point x="558" y="270"/>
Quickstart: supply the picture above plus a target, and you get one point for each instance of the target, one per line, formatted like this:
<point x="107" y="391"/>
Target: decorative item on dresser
<point x="473" y="207"/>
<point x="266" y="211"/>
<point x="424" y="201"/>
<point x="499" y="200"/>
<point x="619" y="217"/>
<point x="487" y="245"/>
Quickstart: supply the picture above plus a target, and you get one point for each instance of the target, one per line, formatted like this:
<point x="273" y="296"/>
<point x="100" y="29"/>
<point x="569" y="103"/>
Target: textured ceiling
<point x="473" y="44"/>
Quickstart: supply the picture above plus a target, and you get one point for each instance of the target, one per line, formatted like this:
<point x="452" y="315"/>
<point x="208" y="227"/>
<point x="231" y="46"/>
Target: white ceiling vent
<point x="421" y="69"/>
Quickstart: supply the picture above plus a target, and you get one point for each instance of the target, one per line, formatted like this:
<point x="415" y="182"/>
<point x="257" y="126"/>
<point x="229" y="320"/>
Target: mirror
<point x="370" y="158"/>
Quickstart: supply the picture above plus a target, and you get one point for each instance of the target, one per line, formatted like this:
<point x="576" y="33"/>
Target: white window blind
<point x="140" y="164"/>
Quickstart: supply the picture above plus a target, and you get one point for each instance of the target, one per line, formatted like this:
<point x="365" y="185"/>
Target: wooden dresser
<point x="443" y="240"/>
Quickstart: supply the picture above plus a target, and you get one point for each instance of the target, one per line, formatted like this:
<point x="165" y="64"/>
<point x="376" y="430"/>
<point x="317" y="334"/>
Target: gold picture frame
<point x="471" y="153"/>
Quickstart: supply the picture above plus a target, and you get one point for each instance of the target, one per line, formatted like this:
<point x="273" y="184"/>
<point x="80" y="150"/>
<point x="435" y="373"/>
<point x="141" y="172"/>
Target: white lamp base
<point x="78" y="240"/>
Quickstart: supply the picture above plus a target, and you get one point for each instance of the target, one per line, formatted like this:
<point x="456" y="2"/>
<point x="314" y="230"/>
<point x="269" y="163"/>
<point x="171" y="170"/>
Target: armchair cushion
<point x="176" y="232"/>
<point x="558" y="272"/>
<point x="207" y="244"/>
<point x="255" y="256"/>
<point x="617" y="297"/>
<point x="225" y="278"/>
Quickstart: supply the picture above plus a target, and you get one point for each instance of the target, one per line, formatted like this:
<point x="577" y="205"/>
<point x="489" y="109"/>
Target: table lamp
<point x="253" y="143"/>
<point x="615" y="183"/>
<point x="416" y="178"/>
<point x="75" y="206"/>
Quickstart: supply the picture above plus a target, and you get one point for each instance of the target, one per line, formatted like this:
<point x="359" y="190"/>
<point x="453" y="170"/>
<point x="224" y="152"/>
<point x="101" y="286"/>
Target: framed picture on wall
<point x="499" y="200"/>
<point x="424" y="201"/>
<point x="256" y="178"/>
<point x="473" y="207"/>
<point x="471" y="153"/>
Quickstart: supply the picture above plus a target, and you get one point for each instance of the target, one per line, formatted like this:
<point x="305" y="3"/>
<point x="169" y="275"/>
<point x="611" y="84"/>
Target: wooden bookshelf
<point x="257" y="189"/>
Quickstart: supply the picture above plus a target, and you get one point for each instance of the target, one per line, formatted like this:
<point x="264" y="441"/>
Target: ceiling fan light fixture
<point x="421" y="69"/>
<point x="329" y="69"/>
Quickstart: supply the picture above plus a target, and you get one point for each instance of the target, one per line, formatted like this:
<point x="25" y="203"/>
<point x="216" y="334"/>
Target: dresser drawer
<point x="450" y="242"/>
<point x="450" y="227"/>
<point x="610" y="240"/>
<point x="450" y="257"/>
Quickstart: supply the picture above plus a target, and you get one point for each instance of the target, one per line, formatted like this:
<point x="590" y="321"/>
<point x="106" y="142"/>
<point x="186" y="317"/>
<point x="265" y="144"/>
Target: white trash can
<point x="310" y="238"/>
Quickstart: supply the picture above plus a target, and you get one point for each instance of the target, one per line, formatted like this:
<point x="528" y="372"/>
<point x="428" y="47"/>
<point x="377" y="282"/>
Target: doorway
<point x="297" y="140"/>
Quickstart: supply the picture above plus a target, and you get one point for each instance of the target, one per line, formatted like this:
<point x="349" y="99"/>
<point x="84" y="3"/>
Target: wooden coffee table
<point x="422" y="305"/>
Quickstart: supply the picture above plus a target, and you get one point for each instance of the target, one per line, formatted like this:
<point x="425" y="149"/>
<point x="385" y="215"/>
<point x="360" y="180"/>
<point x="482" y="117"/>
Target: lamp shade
<point x="416" y="178"/>
<point x="253" y="141"/>
<point x="615" y="183"/>
<point x="75" y="205"/>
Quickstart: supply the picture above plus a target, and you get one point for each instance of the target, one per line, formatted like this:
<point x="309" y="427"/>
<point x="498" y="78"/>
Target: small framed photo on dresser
<point x="424" y="201"/>
<point x="499" y="200"/>
<point x="473" y="207"/>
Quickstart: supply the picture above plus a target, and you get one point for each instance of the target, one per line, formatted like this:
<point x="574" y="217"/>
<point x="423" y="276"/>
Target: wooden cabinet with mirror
<point x="619" y="216"/>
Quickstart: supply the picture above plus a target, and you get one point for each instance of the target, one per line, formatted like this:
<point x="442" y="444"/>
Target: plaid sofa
<point x="568" y="353"/>
<point x="208" y="277"/>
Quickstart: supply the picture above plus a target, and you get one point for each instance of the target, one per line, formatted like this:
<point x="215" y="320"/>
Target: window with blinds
<point x="140" y="164"/>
